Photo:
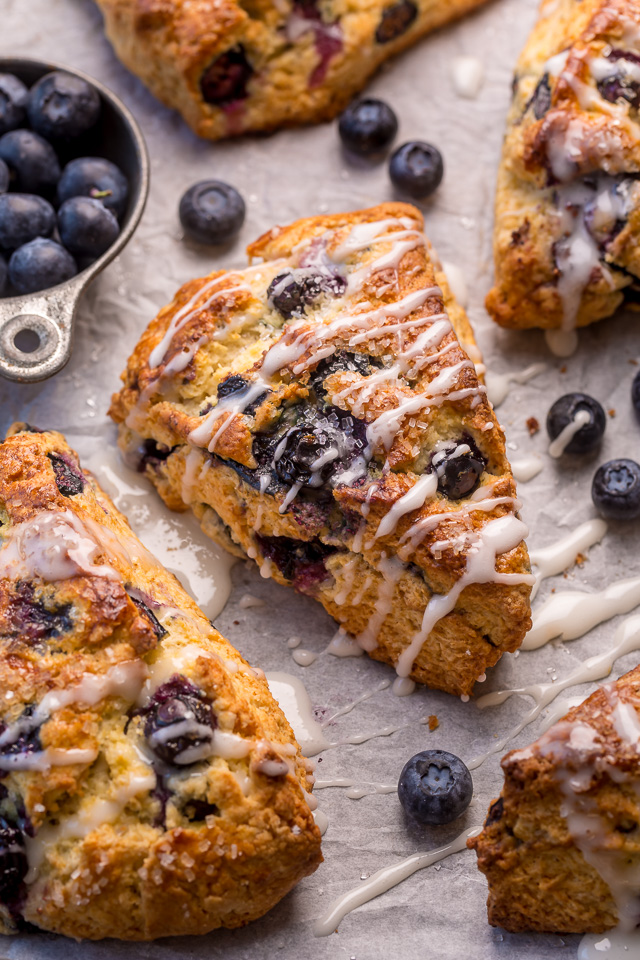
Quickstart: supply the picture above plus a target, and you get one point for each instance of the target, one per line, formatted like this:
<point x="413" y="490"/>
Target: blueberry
<point x="86" y="227"/>
<point x="211" y="212"/>
<point x="416" y="168"/>
<point x="3" y="274"/>
<point x="635" y="394"/>
<point x="616" y="490"/>
<point x="197" y="810"/>
<point x="620" y="85"/>
<point x="23" y="217"/>
<point x="62" y="106"/>
<point x="13" y="861"/>
<point x="39" y="265"/>
<point x="4" y="177"/>
<point x="149" y="615"/>
<point x="458" y="470"/>
<point x="435" y="787"/>
<point x="97" y="178"/>
<point x="32" y="162"/>
<point x="179" y="703"/>
<point x="564" y="411"/>
<point x="541" y="99"/>
<point x="31" y="620"/>
<point x="300" y="561"/>
<point x="236" y="385"/>
<point x="226" y="79"/>
<point x="368" y="127"/>
<point x="396" y="20"/>
<point x="13" y="102"/>
<point x="69" y="480"/>
<point x="290" y="293"/>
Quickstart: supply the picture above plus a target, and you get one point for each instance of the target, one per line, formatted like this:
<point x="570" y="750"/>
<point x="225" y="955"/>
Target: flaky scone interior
<point x="149" y="783"/>
<point x="231" y="67"/>
<point x="318" y="412"/>
<point x="568" y="202"/>
<point x="561" y="845"/>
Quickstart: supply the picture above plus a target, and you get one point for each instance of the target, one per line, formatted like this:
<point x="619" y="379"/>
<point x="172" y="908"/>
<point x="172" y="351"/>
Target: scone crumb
<point x="612" y="412"/>
<point x="580" y="559"/>
<point x="434" y="723"/>
<point x="533" y="426"/>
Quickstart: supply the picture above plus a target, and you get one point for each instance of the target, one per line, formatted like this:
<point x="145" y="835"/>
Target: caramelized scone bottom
<point x="149" y="784"/>
<point x="320" y="413"/>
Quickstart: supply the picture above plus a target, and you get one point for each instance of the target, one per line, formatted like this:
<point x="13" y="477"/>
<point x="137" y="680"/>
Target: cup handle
<point x="36" y="332"/>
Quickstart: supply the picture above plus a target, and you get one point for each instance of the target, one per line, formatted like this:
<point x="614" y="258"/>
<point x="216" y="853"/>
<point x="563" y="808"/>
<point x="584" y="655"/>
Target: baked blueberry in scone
<point x="318" y="413"/>
<point x="149" y="784"/>
<point x="561" y="845"/>
<point x="568" y="202"/>
<point x="231" y="67"/>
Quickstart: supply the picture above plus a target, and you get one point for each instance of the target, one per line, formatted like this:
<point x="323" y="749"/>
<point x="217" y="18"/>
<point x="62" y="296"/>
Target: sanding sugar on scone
<point x="320" y="413"/>
<point x="567" y="224"/>
<point x="560" y="845"/>
<point x="231" y="68"/>
<point x="150" y="785"/>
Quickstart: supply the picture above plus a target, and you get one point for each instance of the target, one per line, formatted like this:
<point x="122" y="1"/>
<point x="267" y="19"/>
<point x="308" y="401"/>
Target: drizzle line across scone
<point x="150" y="785"/>
<point x="561" y="845"/>
<point x="318" y="413"/>
<point x="232" y="67"/>
<point x="568" y="203"/>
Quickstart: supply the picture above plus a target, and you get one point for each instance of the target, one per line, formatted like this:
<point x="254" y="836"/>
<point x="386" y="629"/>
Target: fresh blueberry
<point x="69" y="479"/>
<point x="62" y="106"/>
<point x="23" y="217"/>
<point x="211" y="212"/>
<point x="616" y="490"/>
<point x="635" y="394"/>
<point x="435" y="787"/>
<point x="226" y="79"/>
<point x="39" y="265"/>
<point x="416" y="168"/>
<point x="86" y="227"/>
<point x="291" y="292"/>
<point x="97" y="178"/>
<point x="396" y="20"/>
<point x="564" y="411"/>
<point x="4" y="177"/>
<point x="3" y="274"/>
<point x="32" y="162"/>
<point x="368" y="127"/>
<point x="13" y="102"/>
<point x="179" y="703"/>
<point x="458" y="471"/>
<point x="13" y="861"/>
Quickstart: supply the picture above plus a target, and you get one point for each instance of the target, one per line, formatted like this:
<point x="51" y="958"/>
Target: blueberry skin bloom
<point x="417" y="169"/>
<point x="39" y="265"/>
<point x="368" y="127"/>
<point x="4" y="177"/>
<point x="211" y="212"/>
<point x="616" y="490"/>
<point x="32" y="161"/>
<point x="97" y="178"/>
<point x="3" y="274"/>
<point x="23" y="217"/>
<point x="62" y="107"/>
<point x="564" y="410"/>
<point x="13" y="102"/>
<point x="435" y="787"/>
<point x="86" y="228"/>
<point x="635" y="394"/>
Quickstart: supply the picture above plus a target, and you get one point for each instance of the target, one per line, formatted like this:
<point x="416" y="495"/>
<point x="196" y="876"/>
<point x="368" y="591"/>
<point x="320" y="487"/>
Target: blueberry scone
<point x="231" y="67"/>
<point x="319" y="414"/>
<point x="568" y="203"/>
<point x="149" y="784"/>
<point x="561" y="846"/>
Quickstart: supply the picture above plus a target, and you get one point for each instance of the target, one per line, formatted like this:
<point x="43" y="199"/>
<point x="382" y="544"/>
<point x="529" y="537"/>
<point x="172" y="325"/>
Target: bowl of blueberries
<point x="74" y="178"/>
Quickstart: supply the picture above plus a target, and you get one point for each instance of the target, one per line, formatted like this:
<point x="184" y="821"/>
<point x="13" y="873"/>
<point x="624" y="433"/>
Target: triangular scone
<point x="230" y="67"/>
<point x="150" y="785"/>
<point x="561" y="845"/>
<point x="568" y="203"/>
<point x="317" y="413"/>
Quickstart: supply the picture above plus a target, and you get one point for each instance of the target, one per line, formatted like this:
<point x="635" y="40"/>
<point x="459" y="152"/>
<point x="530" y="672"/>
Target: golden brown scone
<point x="568" y="202"/>
<point x="151" y="786"/>
<point x="561" y="846"/>
<point x="232" y="67"/>
<point x="317" y="413"/>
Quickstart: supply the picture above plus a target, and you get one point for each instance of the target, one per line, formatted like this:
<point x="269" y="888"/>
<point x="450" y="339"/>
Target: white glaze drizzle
<point x="526" y="468"/>
<point x="558" y="446"/>
<point x="560" y="555"/>
<point x="499" y="384"/>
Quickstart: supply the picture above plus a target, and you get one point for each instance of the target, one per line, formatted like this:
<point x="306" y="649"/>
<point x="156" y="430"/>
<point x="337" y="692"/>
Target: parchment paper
<point x="438" y="913"/>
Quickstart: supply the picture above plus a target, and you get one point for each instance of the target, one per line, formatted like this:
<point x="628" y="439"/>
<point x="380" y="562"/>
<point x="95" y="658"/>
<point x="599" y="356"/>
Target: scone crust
<point x="152" y="865"/>
<point x="307" y="60"/>
<point x="228" y="331"/>
<point x="539" y="877"/>
<point x="562" y="131"/>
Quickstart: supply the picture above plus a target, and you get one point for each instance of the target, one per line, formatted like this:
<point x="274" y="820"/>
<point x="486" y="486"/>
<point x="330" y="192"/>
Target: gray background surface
<point x="438" y="913"/>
